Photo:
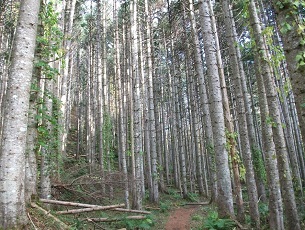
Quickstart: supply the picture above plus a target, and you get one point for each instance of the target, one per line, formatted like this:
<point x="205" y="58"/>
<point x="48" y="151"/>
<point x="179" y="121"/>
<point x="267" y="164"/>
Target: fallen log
<point x="48" y="214"/>
<point x="131" y="210"/>
<point x="201" y="203"/>
<point x="67" y="203"/>
<point x="96" y="208"/>
<point x="115" y="219"/>
<point x="152" y="208"/>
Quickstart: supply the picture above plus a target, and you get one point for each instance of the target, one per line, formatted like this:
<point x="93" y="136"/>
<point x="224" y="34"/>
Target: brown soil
<point x="180" y="218"/>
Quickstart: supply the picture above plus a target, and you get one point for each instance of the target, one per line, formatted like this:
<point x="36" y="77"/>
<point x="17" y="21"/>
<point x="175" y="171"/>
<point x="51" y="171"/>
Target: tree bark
<point x="286" y="13"/>
<point x="13" y="145"/>
<point x="242" y="122"/>
<point x="275" y="122"/>
<point x="225" y="198"/>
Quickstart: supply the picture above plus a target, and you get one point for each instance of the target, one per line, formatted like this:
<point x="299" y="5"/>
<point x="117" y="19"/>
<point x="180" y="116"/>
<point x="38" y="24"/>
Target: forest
<point x="115" y="112"/>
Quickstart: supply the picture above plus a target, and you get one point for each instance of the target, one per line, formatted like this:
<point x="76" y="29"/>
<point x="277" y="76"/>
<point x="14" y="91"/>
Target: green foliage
<point x="294" y="24"/>
<point x="108" y="138"/>
<point x="194" y="197"/>
<point x="230" y="136"/>
<point x="300" y="58"/>
<point x="270" y="121"/>
<point x="213" y="222"/>
<point x="164" y="206"/>
<point x="49" y="41"/>
<point x="197" y="218"/>
<point x="258" y="163"/>
<point x="264" y="212"/>
<point x="285" y="27"/>
<point x="236" y="157"/>
<point x="147" y="223"/>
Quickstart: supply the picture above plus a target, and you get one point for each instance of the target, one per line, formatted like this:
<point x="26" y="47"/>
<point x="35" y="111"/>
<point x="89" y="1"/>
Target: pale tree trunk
<point x="192" y="101"/>
<point x="144" y="116"/>
<point x="99" y="67"/>
<point x="181" y="148"/>
<point x="295" y="168"/>
<point x="172" y="120"/>
<point x="105" y="79"/>
<point x="137" y="135"/>
<point x="30" y="156"/>
<point x="275" y="120"/>
<point x="100" y="94"/>
<point x="160" y="144"/>
<point x="13" y="145"/>
<point x="275" y="200"/>
<point x="242" y="122"/>
<point x="47" y="150"/>
<point x="297" y="135"/>
<point x="151" y="108"/>
<point x="69" y="16"/>
<point x="287" y="13"/>
<point x="122" y="120"/>
<point x="32" y="135"/>
<point x="204" y="104"/>
<point x="229" y="126"/>
<point x="254" y="141"/>
<point x="225" y="198"/>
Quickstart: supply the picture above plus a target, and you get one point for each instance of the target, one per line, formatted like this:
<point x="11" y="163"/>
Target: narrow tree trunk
<point x="122" y="121"/>
<point x="46" y="149"/>
<point x="137" y="138"/>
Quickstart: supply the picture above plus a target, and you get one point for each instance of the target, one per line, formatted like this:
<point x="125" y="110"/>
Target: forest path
<point x="180" y="218"/>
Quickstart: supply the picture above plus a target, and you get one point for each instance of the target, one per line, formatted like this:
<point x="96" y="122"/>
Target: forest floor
<point x="180" y="218"/>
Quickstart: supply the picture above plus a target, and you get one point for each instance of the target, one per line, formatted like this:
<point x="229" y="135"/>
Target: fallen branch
<point x="152" y="208"/>
<point x="32" y="221"/>
<point x="201" y="203"/>
<point x="96" y="208"/>
<point x="62" y="224"/>
<point x="131" y="210"/>
<point x="239" y="225"/>
<point x="115" y="219"/>
<point x="67" y="203"/>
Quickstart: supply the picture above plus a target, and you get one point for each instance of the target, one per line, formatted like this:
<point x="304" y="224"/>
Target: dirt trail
<point x="180" y="218"/>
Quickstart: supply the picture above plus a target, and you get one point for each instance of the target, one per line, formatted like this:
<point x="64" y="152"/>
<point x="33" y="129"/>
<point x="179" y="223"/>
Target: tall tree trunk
<point x="137" y="134"/>
<point x="100" y="93"/>
<point x="289" y="21"/>
<point x="225" y="198"/>
<point x="151" y="107"/>
<point x="295" y="168"/>
<point x="204" y="103"/>
<point x="13" y="145"/>
<point x="242" y="122"/>
<point x="46" y="149"/>
<point x="69" y="18"/>
<point x="122" y="120"/>
<point x="275" y="122"/>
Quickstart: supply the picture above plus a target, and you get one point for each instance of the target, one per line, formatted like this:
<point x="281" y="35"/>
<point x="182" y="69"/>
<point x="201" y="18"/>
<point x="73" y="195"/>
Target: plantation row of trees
<point x="206" y="96"/>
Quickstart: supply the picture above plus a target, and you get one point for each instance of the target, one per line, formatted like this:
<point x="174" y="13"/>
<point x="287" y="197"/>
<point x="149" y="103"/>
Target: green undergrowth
<point x="213" y="222"/>
<point x="160" y="213"/>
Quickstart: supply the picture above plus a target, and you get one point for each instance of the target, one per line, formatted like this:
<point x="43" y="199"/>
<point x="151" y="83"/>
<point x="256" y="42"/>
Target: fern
<point x="213" y="222"/>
